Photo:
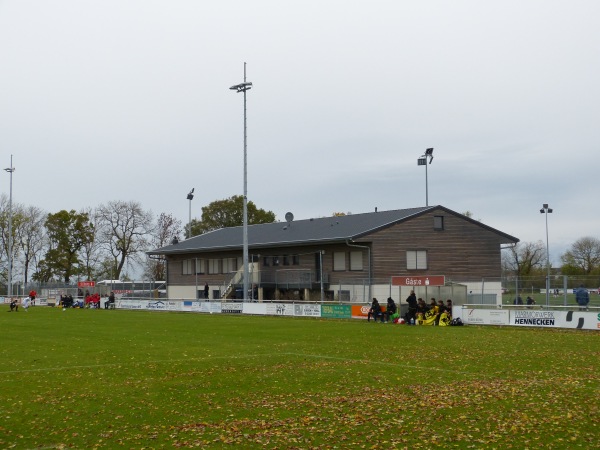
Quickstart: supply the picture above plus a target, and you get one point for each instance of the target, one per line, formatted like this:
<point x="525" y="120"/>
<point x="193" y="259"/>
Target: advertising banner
<point x="255" y="308"/>
<point x="309" y="310"/>
<point x="152" y="305"/>
<point x="485" y="316"/>
<point x="336" y="311"/>
<point x="280" y="309"/>
<point x="232" y="308"/>
<point x="585" y="320"/>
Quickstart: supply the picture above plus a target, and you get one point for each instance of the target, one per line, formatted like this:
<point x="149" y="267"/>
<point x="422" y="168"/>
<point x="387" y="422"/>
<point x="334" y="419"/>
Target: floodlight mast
<point x="243" y="87"/>
<point x="422" y="161"/>
<point x="546" y="210"/>
<point x="10" y="170"/>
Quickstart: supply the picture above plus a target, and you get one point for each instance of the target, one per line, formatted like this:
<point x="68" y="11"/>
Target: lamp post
<point x="422" y="161"/>
<point x="546" y="210"/>
<point x="11" y="169"/>
<point x="190" y="197"/>
<point x="243" y="87"/>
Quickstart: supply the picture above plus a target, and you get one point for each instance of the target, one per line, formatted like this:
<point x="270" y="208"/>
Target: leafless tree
<point x="523" y="258"/>
<point x="167" y="228"/>
<point x="32" y="239"/>
<point x="124" y="229"/>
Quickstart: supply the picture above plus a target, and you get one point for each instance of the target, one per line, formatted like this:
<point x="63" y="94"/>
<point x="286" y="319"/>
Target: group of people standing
<point x="434" y="313"/>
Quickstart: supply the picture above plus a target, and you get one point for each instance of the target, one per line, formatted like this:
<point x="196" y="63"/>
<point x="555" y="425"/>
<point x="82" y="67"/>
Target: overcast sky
<point x="129" y="100"/>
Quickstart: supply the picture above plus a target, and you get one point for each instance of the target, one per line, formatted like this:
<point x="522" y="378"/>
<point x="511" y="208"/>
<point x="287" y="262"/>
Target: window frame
<point x="339" y="257"/>
<point x="356" y="257"/>
<point x="417" y="259"/>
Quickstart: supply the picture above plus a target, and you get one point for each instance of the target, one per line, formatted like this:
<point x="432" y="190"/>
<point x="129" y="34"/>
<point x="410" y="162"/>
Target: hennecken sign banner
<point x="431" y="280"/>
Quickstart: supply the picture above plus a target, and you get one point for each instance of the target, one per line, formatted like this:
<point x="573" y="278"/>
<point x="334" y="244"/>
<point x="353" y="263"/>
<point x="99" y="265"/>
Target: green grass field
<point x="132" y="379"/>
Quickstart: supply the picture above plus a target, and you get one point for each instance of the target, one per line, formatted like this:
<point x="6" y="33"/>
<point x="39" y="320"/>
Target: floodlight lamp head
<point x="550" y="210"/>
<point x="542" y="211"/>
<point x="545" y="205"/>
<point x="242" y="87"/>
<point x="190" y="196"/>
<point x="429" y="151"/>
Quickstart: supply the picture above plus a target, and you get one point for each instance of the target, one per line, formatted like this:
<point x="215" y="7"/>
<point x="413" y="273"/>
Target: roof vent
<point x="175" y="241"/>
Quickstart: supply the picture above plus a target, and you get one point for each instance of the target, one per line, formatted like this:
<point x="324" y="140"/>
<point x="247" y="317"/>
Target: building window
<point x="266" y="261"/>
<point x="286" y="260"/>
<point x="356" y="260"/>
<point x="339" y="261"/>
<point x="200" y="266"/>
<point x="229" y="265"/>
<point x="295" y="260"/>
<point x="188" y="266"/>
<point x="438" y="222"/>
<point x="416" y="259"/>
<point x="275" y="260"/>
<point x="213" y="266"/>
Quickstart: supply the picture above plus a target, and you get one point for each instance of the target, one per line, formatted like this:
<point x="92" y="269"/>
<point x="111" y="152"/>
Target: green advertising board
<point x="336" y="311"/>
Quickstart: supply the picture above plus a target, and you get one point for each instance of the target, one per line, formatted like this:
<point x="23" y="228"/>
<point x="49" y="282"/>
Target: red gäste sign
<point x="86" y="284"/>
<point x="431" y="280"/>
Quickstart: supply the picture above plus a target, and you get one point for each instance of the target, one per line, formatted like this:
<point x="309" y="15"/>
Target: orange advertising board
<point x="362" y="311"/>
<point x="429" y="280"/>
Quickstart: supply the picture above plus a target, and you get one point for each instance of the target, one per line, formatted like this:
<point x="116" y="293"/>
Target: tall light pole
<point x="190" y="197"/>
<point x="11" y="169"/>
<point x="243" y="87"/>
<point x="546" y="210"/>
<point x="422" y="161"/>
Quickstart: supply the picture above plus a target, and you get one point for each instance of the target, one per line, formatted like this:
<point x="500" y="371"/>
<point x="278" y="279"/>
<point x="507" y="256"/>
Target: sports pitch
<point x="133" y="379"/>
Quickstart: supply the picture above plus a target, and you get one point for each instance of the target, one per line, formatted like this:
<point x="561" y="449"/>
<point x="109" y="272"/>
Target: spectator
<point x="375" y="311"/>
<point x="582" y="296"/>
<point x="411" y="316"/>
<point x="518" y="301"/>
<point x="391" y="309"/>
<point x="110" y="302"/>
<point x="441" y="311"/>
<point x="205" y="291"/>
<point x="530" y="301"/>
<point x="434" y="305"/>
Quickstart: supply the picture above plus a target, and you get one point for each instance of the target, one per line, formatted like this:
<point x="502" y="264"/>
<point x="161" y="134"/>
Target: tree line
<point x="529" y="259"/>
<point x="107" y="242"/>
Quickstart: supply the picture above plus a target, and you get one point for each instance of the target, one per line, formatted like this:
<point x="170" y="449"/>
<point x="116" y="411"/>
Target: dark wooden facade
<point x="461" y="249"/>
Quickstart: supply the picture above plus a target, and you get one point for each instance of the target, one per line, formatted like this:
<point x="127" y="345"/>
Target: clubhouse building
<point x="349" y="258"/>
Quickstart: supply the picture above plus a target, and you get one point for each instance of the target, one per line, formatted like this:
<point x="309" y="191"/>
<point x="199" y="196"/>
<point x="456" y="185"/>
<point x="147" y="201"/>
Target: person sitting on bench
<point x="110" y="303"/>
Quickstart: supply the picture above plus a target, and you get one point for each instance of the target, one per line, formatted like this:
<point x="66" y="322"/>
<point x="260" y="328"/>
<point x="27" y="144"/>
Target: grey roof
<point x="301" y="232"/>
